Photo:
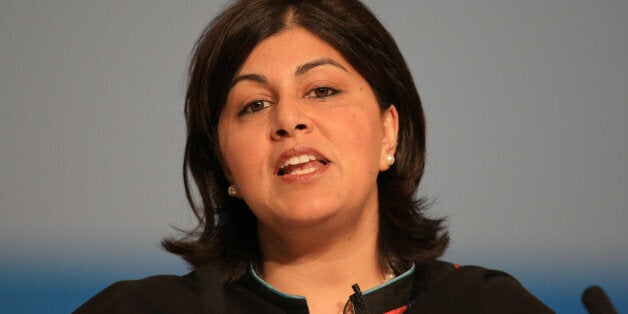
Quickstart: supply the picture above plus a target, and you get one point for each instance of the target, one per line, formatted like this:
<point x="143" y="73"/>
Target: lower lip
<point x="307" y="177"/>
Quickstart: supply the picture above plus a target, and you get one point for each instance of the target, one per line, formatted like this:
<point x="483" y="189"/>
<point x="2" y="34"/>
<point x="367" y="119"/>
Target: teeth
<point x="304" y="171"/>
<point x="298" y="160"/>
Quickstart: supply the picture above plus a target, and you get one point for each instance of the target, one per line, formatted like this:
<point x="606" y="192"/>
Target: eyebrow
<point x="301" y="70"/>
<point x="251" y="77"/>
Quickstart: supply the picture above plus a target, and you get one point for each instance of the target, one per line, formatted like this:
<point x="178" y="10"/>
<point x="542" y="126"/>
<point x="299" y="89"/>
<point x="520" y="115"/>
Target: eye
<point x="254" y="106"/>
<point x="321" y="92"/>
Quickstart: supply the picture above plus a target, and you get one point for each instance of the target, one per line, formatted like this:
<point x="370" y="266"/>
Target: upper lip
<point x="298" y="151"/>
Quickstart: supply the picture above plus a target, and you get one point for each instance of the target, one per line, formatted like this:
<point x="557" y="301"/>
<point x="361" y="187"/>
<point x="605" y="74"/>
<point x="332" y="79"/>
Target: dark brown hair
<point x="226" y="235"/>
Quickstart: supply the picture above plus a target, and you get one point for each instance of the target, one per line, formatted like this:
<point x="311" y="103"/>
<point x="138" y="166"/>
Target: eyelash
<point x="325" y="89"/>
<point x="251" y="109"/>
<point x="261" y="104"/>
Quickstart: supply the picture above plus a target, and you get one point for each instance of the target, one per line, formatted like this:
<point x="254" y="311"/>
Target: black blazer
<point x="437" y="287"/>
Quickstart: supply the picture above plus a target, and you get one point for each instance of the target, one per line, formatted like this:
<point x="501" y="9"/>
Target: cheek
<point x="238" y="148"/>
<point x="359" y="136"/>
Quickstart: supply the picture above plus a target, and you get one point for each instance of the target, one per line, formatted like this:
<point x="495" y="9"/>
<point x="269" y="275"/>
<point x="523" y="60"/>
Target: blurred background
<point x="527" y="148"/>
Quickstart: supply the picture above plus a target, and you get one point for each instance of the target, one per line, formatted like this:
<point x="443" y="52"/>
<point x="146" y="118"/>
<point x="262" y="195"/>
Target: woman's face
<point x="302" y="135"/>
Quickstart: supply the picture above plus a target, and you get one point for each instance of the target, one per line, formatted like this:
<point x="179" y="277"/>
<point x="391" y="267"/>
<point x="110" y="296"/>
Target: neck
<point x="323" y="262"/>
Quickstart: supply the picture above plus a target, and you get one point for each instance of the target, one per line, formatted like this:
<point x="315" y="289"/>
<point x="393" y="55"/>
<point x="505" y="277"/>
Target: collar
<point x="386" y="297"/>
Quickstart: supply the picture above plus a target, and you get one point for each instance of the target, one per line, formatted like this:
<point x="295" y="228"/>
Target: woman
<point x="306" y="144"/>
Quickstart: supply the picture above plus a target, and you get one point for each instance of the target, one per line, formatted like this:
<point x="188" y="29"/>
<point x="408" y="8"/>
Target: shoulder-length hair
<point x="226" y="234"/>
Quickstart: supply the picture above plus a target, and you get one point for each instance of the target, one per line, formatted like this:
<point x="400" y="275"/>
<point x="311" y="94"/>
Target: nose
<point x="290" y="120"/>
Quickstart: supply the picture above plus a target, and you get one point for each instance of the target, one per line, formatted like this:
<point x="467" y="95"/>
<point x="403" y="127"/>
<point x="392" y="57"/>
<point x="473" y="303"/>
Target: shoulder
<point x="474" y="289"/>
<point x="162" y="293"/>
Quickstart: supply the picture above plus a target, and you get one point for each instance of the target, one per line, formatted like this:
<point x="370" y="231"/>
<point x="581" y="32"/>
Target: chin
<point x="304" y="216"/>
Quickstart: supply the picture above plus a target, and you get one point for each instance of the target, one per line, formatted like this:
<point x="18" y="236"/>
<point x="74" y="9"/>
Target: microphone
<point x="358" y="303"/>
<point x="596" y="301"/>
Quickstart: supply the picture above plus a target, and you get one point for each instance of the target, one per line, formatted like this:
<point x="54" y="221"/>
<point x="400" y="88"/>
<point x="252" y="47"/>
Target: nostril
<point x="284" y="133"/>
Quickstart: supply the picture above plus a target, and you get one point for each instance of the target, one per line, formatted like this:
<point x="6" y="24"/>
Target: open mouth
<point x="301" y="164"/>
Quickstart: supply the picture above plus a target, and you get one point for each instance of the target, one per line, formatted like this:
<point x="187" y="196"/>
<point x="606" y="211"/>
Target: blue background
<point x="527" y="132"/>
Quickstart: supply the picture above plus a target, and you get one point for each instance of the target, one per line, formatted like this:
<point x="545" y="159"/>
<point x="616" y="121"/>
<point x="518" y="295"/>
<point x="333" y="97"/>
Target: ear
<point x="225" y="168"/>
<point x="229" y="178"/>
<point x="390" y="129"/>
<point x="227" y="172"/>
<point x="228" y="175"/>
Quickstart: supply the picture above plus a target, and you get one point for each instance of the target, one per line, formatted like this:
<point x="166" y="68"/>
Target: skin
<point x="296" y="94"/>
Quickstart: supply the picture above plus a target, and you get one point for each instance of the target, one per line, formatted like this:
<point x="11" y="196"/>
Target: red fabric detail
<point x="400" y="310"/>
<point x="456" y="266"/>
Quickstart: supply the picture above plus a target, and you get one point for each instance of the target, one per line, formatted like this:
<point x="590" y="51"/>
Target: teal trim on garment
<point x="267" y="285"/>
<point x="298" y="297"/>
<point x="389" y="282"/>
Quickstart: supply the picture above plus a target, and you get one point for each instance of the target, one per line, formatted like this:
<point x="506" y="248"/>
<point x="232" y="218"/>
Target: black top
<point x="435" y="288"/>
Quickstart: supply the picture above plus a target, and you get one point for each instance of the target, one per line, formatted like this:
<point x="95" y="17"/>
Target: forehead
<point x="290" y="47"/>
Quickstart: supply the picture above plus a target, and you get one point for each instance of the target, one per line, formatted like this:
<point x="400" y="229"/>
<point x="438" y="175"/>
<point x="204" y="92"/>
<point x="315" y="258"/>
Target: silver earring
<point x="390" y="159"/>
<point x="232" y="190"/>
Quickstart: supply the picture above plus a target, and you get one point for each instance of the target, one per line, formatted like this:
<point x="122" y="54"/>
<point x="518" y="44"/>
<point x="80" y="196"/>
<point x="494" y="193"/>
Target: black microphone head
<point x="595" y="300"/>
